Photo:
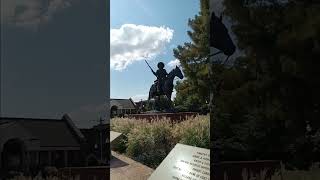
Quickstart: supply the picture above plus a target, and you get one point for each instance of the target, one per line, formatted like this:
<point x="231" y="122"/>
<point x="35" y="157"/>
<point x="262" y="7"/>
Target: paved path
<point x="124" y="168"/>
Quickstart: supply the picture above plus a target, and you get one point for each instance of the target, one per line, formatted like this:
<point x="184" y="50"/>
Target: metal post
<point x="50" y="158"/>
<point x="101" y="138"/>
<point x="65" y="158"/>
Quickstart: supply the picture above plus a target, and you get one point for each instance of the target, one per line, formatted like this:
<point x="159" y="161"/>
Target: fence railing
<point x="246" y="170"/>
<point x="85" y="173"/>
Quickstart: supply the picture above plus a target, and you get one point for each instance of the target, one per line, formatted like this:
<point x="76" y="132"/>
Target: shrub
<point x="194" y="132"/>
<point x="125" y="126"/>
<point x="150" y="142"/>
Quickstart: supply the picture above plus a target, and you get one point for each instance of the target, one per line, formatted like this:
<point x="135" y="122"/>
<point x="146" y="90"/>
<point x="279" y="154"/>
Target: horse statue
<point x="219" y="36"/>
<point x="221" y="40"/>
<point x="167" y="86"/>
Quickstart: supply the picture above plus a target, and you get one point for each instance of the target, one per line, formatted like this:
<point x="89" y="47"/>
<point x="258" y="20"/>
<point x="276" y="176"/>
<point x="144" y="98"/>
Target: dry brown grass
<point x="149" y="142"/>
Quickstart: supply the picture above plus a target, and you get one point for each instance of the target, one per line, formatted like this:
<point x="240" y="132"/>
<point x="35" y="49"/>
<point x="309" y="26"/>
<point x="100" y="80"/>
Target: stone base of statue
<point x="162" y="108"/>
<point x="161" y="104"/>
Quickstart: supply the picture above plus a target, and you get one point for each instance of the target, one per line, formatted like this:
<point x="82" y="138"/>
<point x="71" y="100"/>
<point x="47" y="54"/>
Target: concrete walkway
<point x="124" y="168"/>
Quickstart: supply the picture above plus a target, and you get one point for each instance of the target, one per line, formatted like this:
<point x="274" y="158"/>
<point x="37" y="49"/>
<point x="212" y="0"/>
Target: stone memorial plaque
<point x="184" y="163"/>
<point x="114" y="135"/>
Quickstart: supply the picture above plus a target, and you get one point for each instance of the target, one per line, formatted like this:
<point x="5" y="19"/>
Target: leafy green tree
<point x="267" y="104"/>
<point x="193" y="92"/>
<point x="271" y="95"/>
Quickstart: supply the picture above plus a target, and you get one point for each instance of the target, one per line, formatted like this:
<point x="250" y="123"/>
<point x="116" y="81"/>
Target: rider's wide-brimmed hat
<point x="160" y="65"/>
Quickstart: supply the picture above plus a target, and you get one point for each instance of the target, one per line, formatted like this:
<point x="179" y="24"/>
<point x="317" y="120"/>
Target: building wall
<point x="13" y="131"/>
<point x="36" y="156"/>
<point x="93" y="138"/>
<point x="120" y="111"/>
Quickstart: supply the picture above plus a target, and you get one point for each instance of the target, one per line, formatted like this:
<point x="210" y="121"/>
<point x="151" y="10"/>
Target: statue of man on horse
<point x="161" y="75"/>
<point x="163" y="85"/>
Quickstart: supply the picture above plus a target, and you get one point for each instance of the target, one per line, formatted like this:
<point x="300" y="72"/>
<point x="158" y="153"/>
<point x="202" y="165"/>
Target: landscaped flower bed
<point x="149" y="142"/>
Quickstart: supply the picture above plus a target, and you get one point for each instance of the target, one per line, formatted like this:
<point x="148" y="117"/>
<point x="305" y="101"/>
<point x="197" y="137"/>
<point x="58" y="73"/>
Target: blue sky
<point x="53" y="59"/>
<point x="156" y="17"/>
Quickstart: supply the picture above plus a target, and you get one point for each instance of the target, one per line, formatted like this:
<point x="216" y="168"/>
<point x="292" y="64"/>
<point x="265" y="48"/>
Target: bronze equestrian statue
<point x="164" y="83"/>
<point x="161" y="75"/>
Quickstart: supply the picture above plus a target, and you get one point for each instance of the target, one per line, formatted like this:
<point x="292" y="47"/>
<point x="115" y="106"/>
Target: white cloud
<point x="30" y="14"/>
<point x="132" y="43"/>
<point x="174" y="63"/>
<point x="174" y="94"/>
<point x="138" y="97"/>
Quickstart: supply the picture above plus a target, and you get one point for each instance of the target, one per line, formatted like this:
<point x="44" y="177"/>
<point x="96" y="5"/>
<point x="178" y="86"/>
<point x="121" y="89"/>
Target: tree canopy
<point x="193" y="93"/>
<point x="268" y="104"/>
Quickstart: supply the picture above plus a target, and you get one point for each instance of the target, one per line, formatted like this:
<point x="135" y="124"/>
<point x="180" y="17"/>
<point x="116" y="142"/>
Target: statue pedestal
<point x="161" y="104"/>
<point x="152" y="112"/>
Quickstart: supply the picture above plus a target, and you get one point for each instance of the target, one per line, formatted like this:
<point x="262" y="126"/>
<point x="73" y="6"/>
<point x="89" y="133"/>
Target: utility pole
<point x="100" y="128"/>
<point x="101" y="142"/>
